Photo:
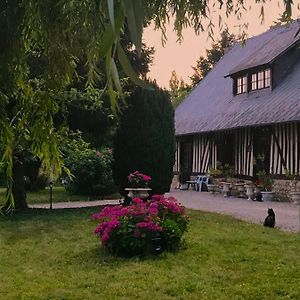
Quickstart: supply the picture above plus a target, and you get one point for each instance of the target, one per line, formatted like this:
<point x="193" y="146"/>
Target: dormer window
<point x="261" y="80"/>
<point x="252" y="81"/>
<point x="241" y="85"/>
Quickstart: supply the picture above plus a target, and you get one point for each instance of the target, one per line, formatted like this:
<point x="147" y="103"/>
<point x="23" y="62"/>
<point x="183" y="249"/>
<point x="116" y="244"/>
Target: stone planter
<point x="295" y="196"/>
<point x="212" y="188"/>
<point x="249" y="191"/>
<point x="257" y="193"/>
<point x="267" y="196"/>
<point x="241" y="189"/>
<point x="226" y="189"/>
<point x="138" y="192"/>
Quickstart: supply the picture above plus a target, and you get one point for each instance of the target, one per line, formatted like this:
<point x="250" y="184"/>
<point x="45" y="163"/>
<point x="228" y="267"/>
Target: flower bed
<point x="143" y="227"/>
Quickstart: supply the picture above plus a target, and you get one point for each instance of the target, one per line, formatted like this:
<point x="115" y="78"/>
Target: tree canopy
<point x="205" y="63"/>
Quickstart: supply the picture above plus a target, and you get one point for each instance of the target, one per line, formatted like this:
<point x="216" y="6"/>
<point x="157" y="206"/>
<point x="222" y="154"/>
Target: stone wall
<point x="282" y="189"/>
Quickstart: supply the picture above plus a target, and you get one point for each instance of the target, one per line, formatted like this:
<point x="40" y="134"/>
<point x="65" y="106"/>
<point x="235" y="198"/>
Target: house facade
<point x="246" y="112"/>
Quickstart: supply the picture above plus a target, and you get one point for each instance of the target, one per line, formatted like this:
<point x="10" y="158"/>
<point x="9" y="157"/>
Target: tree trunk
<point x="18" y="187"/>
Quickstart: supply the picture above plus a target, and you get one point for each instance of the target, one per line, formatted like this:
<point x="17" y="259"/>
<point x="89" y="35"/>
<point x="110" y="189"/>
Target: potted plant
<point x="138" y="185"/>
<point x="267" y="184"/>
<point x="257" y="190"/>
<point x="184" y="176"/>
<point x="228" y="172"/>
<point x="212" y="174"/>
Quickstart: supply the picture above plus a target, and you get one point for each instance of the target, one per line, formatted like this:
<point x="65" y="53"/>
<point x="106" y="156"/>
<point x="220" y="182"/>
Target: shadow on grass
<point x="46" y="214"/>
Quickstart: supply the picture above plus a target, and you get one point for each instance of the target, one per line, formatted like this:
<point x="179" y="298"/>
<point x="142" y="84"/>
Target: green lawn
<point x="54" y="255"/>
<point x="59" y="195"/>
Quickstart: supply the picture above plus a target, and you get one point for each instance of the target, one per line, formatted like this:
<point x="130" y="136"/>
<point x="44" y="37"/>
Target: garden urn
<point x="142" y="193"/>
<point x="249" y="191"/>
<point x="241" y="189"/>
<point x="226" y="188"/>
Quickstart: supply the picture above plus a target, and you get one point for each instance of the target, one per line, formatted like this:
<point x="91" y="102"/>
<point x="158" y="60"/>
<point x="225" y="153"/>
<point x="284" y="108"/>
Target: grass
<point x="59" y="195"/>
<point x="54" y="255"/>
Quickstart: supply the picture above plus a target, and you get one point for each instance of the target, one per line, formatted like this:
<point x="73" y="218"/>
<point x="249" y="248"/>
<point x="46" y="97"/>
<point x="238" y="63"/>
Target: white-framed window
<point x="241" y="85"/>
<point x="261" y="79"/>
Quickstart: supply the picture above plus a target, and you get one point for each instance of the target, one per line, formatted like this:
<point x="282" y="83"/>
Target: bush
<point x="143" y="227"/>
<point x="91" y="172"/>
<point x="145" y="139"/>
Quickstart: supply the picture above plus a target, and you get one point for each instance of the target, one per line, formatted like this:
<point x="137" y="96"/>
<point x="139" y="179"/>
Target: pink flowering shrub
<point x="137" y="179"/>
<point x="134" y="229"/>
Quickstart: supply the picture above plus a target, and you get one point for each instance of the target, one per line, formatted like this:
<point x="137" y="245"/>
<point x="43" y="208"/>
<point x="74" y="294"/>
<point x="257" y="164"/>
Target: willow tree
<point x="63" y="33"/>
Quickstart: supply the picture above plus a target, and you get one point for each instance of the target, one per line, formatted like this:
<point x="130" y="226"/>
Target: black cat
<point x="270" y="219"/>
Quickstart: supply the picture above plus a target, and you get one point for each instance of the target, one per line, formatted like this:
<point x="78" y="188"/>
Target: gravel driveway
<point x="287" y="214"/>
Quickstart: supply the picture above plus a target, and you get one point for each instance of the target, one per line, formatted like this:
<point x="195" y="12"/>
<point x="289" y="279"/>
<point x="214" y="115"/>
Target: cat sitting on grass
<point x="270" y="219"/>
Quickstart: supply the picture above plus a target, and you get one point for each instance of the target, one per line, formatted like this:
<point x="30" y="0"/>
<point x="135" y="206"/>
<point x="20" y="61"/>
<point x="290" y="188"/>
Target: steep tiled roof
<point x="212" y="106"/>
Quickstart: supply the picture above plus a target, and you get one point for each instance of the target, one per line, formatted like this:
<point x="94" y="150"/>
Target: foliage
<point x="178" y="89"/>
<point x="137" y="179"/>
<point x="145" y="139"/>
<point x="213" y="55"/>
<point x="214" y="172"/>
<point x="91" y="172"/>
<point x="265" y="180"/>
<point x="135" y="229"/>
<point x="90" y="168"/>
<point x="225" y="171"/>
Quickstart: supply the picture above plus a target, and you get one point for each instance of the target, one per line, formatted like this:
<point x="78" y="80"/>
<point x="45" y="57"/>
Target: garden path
<point x="287" y="214"/>
<point x="76" y="204"/>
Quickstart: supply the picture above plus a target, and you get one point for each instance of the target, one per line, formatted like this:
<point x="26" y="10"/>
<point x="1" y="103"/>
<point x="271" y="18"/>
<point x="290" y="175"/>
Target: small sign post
<point x="51" y="193"/>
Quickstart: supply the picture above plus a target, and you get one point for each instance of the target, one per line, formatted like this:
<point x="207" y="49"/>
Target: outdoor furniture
<point x="201" y="181"/>
<point x="191" y="183"/>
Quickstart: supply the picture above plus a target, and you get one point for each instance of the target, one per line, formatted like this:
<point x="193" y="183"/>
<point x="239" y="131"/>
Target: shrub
<point x="145" y="139"/>
<point x="142" y="227"/>
<point x="91" y="172"/>
<point x="265" y="180"/>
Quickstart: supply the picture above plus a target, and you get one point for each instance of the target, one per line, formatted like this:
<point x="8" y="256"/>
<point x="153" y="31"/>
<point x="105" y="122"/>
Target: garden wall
<point x="282" y="188"/>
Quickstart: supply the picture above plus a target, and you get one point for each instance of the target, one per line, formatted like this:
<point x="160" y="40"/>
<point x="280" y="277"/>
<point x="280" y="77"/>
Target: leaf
<point x="115" y="76"/>
<point x="128" y="69"/>
<point x="111" y="13"/>
<point x="134" y="13"/>
<point x="112" y="96"/>
<point x="109" y="36"/>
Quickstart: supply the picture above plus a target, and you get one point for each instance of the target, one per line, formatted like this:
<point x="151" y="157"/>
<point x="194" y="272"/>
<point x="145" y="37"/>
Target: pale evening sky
<point x="181" y="57"/>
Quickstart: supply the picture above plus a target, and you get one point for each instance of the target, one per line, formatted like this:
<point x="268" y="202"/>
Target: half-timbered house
<point x="246" y="111"/>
